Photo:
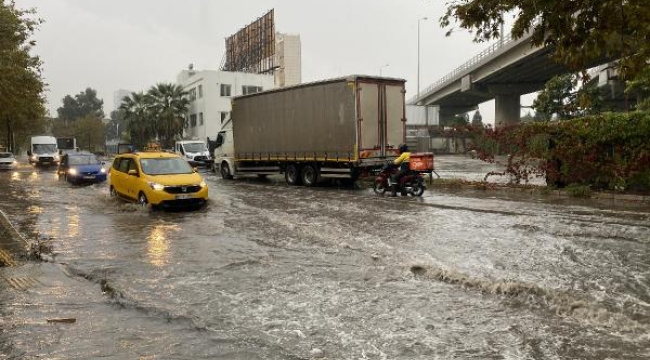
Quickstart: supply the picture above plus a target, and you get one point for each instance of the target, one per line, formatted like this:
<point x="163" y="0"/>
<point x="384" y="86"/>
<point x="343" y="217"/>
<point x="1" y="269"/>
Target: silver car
<point x="7" y="161"/>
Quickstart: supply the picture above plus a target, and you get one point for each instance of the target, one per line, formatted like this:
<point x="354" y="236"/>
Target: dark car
<point x="81" y="167"/>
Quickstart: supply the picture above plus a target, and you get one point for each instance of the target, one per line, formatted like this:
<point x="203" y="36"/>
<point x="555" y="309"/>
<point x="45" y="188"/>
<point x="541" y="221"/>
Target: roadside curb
<point x="11" y="230"/>
<point x="541" y="191"/>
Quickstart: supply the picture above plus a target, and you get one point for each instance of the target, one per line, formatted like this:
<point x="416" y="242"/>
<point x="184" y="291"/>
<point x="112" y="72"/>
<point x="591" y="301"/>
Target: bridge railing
<point x="469" y="64"/>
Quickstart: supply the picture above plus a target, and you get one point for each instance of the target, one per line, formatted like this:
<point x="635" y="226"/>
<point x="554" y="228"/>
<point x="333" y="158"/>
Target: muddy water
<point x="273" y="272"/>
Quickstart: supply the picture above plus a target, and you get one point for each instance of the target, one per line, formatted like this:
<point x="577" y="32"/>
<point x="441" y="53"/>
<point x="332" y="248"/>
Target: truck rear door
<point x="381" y="114"/>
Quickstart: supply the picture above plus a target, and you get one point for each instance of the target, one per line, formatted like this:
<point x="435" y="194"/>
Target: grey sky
<point x="129" y="44"/>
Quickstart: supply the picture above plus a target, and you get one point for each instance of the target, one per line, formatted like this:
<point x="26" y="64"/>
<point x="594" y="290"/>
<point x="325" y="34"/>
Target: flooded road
<point x="268" y="271"/>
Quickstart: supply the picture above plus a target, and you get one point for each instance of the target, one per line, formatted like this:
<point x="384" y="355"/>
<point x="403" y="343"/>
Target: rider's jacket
<point x="403" y="160"/>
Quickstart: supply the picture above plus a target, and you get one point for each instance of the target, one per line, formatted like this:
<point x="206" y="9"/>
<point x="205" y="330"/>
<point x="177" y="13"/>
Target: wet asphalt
<point x="268" y="271"/>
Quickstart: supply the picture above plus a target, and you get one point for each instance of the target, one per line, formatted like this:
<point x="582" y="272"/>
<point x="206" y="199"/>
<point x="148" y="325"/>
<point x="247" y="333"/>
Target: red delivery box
<point x="422" y="161"/>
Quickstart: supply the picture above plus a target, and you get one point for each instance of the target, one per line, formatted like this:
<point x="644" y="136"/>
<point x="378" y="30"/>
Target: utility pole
<point x="420" y="19"/>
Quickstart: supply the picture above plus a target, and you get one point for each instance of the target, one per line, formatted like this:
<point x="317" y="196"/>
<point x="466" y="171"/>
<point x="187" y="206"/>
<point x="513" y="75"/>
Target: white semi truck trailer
<point x="338" y="128"/>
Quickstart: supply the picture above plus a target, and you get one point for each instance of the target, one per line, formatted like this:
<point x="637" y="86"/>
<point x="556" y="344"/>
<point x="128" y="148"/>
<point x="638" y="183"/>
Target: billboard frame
<point x="252" y="48"/>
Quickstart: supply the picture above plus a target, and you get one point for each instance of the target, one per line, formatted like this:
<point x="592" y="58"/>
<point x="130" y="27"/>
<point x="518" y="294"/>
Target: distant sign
<point x="252" y="48"/>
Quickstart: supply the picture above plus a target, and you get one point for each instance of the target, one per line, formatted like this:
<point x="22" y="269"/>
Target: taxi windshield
<point x="165" y="166"/>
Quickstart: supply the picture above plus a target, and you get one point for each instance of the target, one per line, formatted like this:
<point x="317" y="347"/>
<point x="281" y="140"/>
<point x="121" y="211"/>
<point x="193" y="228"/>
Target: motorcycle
<point x="410" y="183"/>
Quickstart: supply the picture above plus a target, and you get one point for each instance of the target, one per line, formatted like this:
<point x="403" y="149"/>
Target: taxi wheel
<point x="142" y="200"/>
<point x="112" y="191"/>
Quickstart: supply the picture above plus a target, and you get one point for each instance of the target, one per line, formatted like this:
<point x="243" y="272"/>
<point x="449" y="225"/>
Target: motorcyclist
<point x="403" y="162"/>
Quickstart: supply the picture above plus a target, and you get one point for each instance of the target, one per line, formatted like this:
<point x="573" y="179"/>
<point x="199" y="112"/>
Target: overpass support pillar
<point x="507" y="109"/>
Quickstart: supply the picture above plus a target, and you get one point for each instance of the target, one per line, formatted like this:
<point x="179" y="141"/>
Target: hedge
<point x="606" y="152"/>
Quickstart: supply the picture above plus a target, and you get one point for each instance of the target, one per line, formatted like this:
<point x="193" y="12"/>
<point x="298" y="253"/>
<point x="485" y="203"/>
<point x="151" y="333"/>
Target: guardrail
<point x="467" y="65"/>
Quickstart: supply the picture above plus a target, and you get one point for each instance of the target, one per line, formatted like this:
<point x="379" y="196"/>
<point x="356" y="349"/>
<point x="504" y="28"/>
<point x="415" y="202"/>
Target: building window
<point x="200" y="118"/>
<point x="225" y="90"/>
<point x="224" y="116"/>
<point x="249" y="89"/>
<point x="193" y="120"/>
<point x="200" y="91"/>
<point x="192" y="94"/>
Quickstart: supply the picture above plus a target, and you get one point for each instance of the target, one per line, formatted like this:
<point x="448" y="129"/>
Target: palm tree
<point x="137" y="113"/>
<point x="168" y="108"/>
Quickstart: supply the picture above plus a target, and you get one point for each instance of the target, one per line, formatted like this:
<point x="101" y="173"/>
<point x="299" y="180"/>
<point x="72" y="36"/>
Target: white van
<point x="43" y="150"/>
<point x="194" y="151"/>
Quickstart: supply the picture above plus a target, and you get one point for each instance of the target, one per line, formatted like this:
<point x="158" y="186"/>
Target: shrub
<point x="608" y="151"/>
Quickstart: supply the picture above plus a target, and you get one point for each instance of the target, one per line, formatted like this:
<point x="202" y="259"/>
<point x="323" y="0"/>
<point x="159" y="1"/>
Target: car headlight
<point x="156" y="186"/>
<point x="56" y="158"/>
<point x="72" y="171"/>
<point x="103" y="171"/>
<point x="203" y="184"/>
<point x="34" y="157"/>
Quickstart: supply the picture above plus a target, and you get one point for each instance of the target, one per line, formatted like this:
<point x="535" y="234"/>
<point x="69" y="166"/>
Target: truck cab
<point x="194" y="151"/>
<point x="224" y="152"/>
<point x="43" y="150"/>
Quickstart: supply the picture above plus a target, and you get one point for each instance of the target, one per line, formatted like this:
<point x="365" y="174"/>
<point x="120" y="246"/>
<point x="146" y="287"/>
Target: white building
<point x="118" y="95"/>
<point x="287" y="52"/>
<point x="210" y="92"/>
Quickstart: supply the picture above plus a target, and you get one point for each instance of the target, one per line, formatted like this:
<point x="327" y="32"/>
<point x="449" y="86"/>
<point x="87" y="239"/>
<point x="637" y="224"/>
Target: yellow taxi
<point x="158" y="178"/>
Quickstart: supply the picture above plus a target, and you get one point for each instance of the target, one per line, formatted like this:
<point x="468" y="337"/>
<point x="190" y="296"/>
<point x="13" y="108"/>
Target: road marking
<point x="22" y="283"/>
<point x="6" y="259"/>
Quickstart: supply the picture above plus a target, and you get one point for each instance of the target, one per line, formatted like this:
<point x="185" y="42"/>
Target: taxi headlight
<point x="72" y="171"/>
<point x="156" y="186"/>
<point x="203" y="184"/>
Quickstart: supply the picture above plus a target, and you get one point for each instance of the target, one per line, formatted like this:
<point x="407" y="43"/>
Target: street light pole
<point x="381" y="67"/>
<point x="420" y="19"/>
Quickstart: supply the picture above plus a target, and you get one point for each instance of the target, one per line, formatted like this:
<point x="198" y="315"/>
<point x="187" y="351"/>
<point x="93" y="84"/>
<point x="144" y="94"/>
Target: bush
<point x="609" y="151"/>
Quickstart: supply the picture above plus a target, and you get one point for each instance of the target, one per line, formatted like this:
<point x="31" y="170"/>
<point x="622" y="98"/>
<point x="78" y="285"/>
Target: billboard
<point x="252" y="48"/>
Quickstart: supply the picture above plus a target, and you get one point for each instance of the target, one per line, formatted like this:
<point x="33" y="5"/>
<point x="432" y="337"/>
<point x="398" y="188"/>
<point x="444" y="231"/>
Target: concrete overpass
<point x="503" y="72"/>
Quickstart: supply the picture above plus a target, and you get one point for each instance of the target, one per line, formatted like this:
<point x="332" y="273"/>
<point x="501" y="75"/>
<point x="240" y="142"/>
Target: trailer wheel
<point x="225" y="171"/>
<point x="309" y="175"/>
<point x="292" y="174"/>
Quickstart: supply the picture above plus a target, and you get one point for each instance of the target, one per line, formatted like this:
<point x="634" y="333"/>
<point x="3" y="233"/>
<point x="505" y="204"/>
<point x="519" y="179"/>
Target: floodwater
<point x="268" y="271"/>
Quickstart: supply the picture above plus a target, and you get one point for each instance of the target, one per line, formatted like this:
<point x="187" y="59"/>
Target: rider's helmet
<point x="403" y="148"/>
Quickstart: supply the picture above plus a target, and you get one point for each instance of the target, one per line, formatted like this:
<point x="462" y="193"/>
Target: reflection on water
<point x="15" y="176"/>
<point x="34" y="209"/>
<point x="72" y="222"/>
<point x="158" y="244"/>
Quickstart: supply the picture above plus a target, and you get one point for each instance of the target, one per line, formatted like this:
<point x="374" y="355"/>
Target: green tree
<point x="139" y="120"/>
<point x="559" y="98"/>
<point x="640" y="86"/>
<point x="458" y="120"/>
<point x="83" y="104"/>
<point x="556" y="98"/>
<point x="22" y="107"/>
<point x="581" y="31"/>
<point x="477" y="119"/>
<point x="89" y="132"/>
<point x="169" y="108"/>
<point x="117" y="125"/>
